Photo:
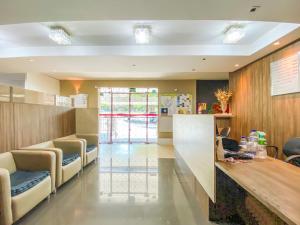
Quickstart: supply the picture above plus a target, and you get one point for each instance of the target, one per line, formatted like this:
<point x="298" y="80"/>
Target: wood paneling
<point x="22" y="124"/>
<point x="6" y="127"/>
<point x="253" y="106"/>
<point x="223" y="122"/>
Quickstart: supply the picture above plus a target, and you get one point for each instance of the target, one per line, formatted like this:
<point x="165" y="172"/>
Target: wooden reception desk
<point x="267" y="190"/>
<point x="272" y="182"/>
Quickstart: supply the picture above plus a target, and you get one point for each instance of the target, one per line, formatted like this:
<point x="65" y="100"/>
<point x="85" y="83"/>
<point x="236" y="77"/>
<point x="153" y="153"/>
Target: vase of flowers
<point x="223" y="96"/>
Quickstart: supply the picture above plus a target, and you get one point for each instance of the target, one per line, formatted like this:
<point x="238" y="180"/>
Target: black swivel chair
<point x="225" y="132"/>
<point x="291" y="150"/>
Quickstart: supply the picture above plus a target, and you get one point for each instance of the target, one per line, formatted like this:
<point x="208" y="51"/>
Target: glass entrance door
<point x="138" y="111"/>
<point x="120" y="118"/>
<point x="128" y="115"/>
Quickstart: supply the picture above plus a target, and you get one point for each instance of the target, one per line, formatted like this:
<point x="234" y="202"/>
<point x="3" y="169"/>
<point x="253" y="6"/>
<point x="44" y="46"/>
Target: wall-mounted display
<point x="79" y="101"/>
<point x="175" y="104"/>
<point x="184" y="104"/>
<point x="285" y="75"/>
<point x="63" y="101"/>
<point x="168" y="104"/>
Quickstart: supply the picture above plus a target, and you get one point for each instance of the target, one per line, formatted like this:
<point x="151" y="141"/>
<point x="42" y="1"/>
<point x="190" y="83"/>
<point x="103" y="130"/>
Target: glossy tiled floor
<point x="131" y="185"/>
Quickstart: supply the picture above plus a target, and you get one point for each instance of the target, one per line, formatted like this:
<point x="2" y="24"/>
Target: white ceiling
<point x="103" y="47"/>
<point x="120" y="33"/>
<point x="12" y="12"/>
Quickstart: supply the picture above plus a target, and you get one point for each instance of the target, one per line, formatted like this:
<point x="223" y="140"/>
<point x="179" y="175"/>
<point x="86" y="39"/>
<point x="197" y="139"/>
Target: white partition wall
<point x="194" y="140"/>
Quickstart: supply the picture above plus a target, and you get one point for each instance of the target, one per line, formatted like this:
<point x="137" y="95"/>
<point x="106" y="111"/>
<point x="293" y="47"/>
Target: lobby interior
<point x="149" y="112"/>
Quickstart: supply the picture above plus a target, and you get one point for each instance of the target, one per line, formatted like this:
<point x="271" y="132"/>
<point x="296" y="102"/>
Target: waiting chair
<point x="69" y="157"/>
<point x="91" y="143"/>
<point x="26" y="178"/>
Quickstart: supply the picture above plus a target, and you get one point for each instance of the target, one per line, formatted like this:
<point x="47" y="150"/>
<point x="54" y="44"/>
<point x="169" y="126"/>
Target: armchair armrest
<point x="36" y="161"/>
<point x="5" y="198"/>
<point x="68" y="146"/>
<point x="92" y="139"/>
<point x="59" y="158"/>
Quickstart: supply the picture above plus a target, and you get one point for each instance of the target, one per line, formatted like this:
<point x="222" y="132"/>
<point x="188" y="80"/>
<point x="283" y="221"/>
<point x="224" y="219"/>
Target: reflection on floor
<point x="132" y="185"/>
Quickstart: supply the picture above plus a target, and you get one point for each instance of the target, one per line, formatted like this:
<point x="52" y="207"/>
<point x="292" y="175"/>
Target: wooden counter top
<point x="274" y="183"/>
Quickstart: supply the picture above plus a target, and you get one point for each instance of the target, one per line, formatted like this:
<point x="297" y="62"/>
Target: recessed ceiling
<point x="107" y="49"/>
<point x="120" y="33"/>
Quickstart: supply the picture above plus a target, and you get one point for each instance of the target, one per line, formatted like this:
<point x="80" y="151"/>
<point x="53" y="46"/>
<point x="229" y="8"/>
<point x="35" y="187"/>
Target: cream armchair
<point x="17" y="196"/>
<point x="69" y="155"/>
<point x="91" y="145"/>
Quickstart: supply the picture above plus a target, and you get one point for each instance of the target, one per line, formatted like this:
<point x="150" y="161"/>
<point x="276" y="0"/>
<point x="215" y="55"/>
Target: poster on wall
<point x="175" y="104"/>
<point x="79" y="101"/>
<point x="184" y="104"/>
<point x="168" y="104"/>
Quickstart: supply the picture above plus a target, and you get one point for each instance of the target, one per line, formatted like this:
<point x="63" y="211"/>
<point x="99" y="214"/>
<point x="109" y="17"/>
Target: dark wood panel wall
<point x="253" y="106"/>
<point x="23" y="124"/>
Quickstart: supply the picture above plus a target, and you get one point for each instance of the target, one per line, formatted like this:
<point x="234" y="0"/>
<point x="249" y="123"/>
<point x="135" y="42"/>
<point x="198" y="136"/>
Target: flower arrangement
<point x="223" y="96"/>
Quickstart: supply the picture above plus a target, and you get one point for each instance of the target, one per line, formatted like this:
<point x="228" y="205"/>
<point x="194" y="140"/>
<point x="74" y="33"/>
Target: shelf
<point x="223" y="115"/>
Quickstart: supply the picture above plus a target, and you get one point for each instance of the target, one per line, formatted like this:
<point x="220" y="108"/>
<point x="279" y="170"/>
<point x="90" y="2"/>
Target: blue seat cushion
<point x="69" y="157"/>
<point x="90" y="148"/>
<point x="21" y="181"/>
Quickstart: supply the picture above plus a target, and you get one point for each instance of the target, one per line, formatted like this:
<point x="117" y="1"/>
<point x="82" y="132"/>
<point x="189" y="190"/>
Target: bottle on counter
<point x="262" y="143"/>
<point x="253" y="136"/>
<point x="252" y="141"/>
<point x="243" y="143"/>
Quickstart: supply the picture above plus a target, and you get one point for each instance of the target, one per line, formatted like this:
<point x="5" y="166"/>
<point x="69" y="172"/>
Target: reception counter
<point x="257" y="191"/>
<point x="274" y="183"/>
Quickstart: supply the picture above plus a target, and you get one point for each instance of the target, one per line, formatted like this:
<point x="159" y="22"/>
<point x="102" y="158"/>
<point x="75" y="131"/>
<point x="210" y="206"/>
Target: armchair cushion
<point x="90" y="148"/>
<point x="69" y="157"/>
<point x="21" y="181"/>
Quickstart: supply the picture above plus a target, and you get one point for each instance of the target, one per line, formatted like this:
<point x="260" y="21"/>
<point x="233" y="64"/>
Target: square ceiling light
<point x="60" y="36"/>
<point x="142" y="34"/>
<point x="234" y="34"/>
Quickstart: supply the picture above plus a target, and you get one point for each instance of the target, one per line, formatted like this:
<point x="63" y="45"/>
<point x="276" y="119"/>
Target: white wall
<point x="42" y="83"/>
<point x="194" y="140"/>
<point x="13" y="79"/>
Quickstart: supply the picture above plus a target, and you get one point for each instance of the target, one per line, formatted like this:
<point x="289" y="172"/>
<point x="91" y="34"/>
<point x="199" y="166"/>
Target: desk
<point x="274" y="183"/>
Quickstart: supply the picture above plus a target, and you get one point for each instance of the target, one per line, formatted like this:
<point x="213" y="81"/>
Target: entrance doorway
<point x="128" y="115"/>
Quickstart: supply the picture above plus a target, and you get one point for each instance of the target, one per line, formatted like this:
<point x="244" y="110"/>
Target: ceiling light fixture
<point x="59" y="35"/>
<point x="276" y="43"/>
<point x="236" y="65"/>
<point x="142" y="34"/>
<point x="234" y="33"/>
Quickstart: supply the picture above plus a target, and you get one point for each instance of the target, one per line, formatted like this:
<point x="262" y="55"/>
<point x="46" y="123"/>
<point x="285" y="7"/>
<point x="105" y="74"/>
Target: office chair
<point x="291" y="150"/>
<point x="225" y="132"/>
